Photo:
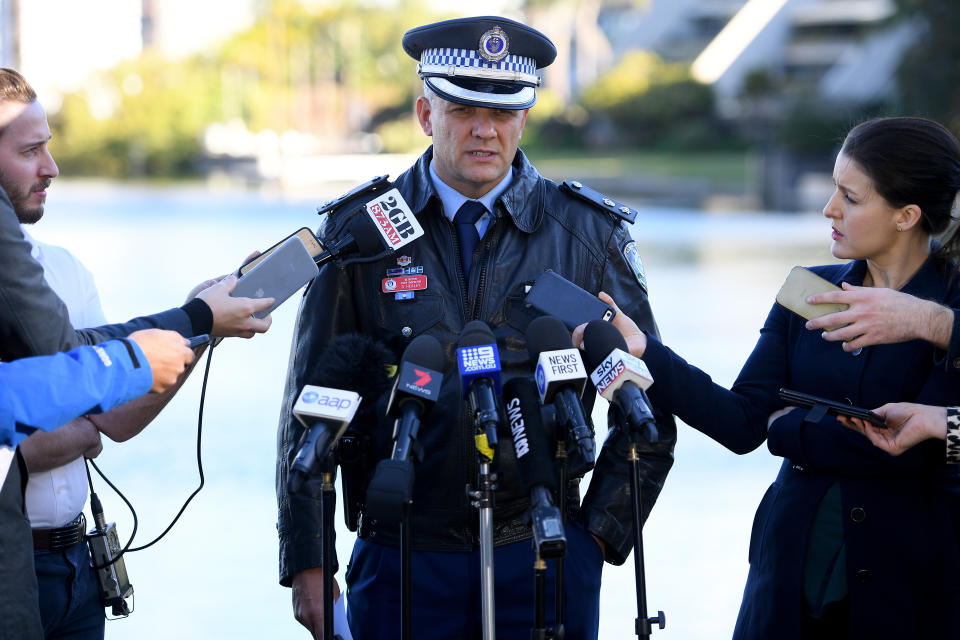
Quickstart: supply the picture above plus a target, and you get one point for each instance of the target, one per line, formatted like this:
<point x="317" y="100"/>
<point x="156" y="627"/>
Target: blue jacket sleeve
<point x="736" y="418"/>
<point x="44" y="392"/>
<point x="828" y="445"/>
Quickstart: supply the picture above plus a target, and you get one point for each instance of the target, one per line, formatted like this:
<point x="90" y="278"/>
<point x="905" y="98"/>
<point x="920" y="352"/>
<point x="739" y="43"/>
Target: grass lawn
<point x="719" y="166"/>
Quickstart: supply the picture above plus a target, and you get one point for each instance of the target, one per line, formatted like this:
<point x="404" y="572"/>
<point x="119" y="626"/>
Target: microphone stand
<point x="643" y="625"/>
<point x="558" y="631"/>
<point x="328" y="501"/>
<point x="482" y="500"/>
<point x="539" y="631"/>
<point x="406" y="584"/>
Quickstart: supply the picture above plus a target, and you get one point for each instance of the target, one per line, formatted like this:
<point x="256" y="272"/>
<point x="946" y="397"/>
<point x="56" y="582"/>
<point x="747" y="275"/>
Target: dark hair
<point x="910" y="161"/>
<point x="14" y="88"/>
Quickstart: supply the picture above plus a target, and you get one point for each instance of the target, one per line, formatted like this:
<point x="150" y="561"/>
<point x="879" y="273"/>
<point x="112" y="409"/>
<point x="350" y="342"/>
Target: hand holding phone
<point x="832" y="407"/>
<point x="307" y="237"/>
<point x="278" y="275"/>
<point x="802" y="283"/>
<point x="554" y="295"/>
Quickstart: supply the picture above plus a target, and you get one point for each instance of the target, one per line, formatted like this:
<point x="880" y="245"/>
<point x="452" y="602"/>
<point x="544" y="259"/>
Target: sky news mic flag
<point x="620" y="377"/>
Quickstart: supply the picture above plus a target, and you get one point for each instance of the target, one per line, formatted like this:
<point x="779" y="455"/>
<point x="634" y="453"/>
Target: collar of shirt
<point x="452" y="199"/>
<point x="35" y="251"/>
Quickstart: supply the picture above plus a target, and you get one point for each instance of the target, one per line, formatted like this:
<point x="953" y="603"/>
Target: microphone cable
<point x="127" y="547"/>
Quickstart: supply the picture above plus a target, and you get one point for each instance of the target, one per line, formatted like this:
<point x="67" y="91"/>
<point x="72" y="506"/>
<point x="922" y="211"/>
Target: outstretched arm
<point x="882" y="316"/>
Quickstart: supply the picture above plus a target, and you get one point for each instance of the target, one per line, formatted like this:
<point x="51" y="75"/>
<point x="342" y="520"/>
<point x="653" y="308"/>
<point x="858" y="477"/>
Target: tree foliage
<point x="929" y="75"/>
<point x="326" y="70"/>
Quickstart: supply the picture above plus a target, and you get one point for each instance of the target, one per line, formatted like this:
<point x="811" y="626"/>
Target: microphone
<point x="561" y="378"/>
<point x="534" y="466"/>
<point x="351" y="361"/>
<point x="385" y="224"/>
<point x="479" y="364"/>
<point x="414" y="393"/>
<point x="620" y="377"/>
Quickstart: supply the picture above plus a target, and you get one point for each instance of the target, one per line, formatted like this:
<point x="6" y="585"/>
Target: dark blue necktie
<point x="466" y="222"/>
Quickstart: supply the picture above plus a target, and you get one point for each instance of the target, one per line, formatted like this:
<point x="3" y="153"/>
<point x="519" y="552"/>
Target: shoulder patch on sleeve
<point x="631" y="254"/>
<point x="370" y="186"/>
<point x="597" y="199"/>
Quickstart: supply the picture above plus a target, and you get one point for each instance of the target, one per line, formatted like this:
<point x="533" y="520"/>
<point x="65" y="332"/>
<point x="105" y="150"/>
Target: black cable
<point x="203" y="393"/>
<point x="93" y="496"/>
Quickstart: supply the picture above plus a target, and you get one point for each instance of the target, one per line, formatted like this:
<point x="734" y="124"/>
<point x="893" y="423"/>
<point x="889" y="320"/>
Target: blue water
<point x="712" y="280"/>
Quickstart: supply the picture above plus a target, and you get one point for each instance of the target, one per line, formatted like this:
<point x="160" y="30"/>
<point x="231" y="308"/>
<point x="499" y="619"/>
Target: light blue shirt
<point x="452" y="199"/>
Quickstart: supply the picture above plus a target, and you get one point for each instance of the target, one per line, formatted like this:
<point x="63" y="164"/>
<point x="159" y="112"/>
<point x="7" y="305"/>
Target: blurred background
<point x="189" y="133"/>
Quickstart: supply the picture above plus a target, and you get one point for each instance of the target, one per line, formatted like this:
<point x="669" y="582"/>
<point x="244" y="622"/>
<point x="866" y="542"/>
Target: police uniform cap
<point x="484" y="61"/>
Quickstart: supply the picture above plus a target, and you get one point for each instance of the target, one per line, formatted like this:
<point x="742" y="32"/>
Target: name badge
<point x="404" y="283"/>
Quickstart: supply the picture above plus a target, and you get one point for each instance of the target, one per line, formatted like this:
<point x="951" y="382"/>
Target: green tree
<point x="929" y="74"/>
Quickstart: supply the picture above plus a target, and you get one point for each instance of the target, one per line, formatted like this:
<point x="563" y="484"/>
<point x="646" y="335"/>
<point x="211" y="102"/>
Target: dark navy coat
<point x="900" y="513"/>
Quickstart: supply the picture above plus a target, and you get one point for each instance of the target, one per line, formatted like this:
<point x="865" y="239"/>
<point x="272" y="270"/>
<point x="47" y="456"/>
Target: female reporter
<point x="849" y="541"/>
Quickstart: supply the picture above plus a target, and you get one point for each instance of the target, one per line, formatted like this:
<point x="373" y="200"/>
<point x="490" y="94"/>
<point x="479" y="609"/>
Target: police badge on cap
<point x="484" y="61"/>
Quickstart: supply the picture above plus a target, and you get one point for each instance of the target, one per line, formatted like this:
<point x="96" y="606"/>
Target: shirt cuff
<point x="201" y="316"/>
<point x="953" y="435"/>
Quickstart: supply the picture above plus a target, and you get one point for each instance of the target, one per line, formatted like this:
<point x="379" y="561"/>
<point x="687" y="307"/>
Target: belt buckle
<point x="63" y="538"/>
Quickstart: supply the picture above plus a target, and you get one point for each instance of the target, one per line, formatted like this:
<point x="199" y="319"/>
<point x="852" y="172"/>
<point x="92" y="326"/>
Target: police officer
<point x="492" y="225"/>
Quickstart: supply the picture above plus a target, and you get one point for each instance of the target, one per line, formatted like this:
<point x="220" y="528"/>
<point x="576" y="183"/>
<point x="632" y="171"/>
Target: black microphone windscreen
<point x="353" y="362"/>
<point x="476" y="332"/>
<point x="365" y="234"/>
<point x="521" y="402"/>
<point x="424" y="350"/>
<point x="547" y="333"/>
<point x="599" y="339"/>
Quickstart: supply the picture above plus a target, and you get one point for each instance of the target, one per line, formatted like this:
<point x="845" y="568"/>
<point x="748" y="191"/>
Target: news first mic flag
<point x="560" y="368"/>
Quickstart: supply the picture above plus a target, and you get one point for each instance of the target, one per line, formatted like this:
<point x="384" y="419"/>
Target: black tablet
<point x="832" y="406"/>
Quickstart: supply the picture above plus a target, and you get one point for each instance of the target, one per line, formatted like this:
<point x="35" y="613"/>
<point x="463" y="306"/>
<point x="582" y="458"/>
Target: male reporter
<point x="41" y="393"/>
<point x="491" y="225"/>
<point x="57" y="489"/>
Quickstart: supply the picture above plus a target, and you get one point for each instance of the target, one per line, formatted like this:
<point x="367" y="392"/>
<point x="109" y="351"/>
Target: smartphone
<point x="832" y="406"/>
<point x="802" y="283"/>
<point x="554" y="295"/>
<point x="199" y="341"/>
<point x="279" y="275"/>
<point x="314" y="248"/>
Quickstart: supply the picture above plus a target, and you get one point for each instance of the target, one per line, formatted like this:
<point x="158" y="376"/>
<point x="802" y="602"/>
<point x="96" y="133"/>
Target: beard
<point x="19" y="197"/>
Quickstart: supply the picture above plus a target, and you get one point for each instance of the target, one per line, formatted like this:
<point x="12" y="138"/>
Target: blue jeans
<point x="69" y="594"/>
<point x="446" y="598"/>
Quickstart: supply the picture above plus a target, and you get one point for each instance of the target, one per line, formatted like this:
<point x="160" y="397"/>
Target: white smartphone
<point x="279" y="275"/>
<point x="305" y="234"/>
<point x="802" y="283"/>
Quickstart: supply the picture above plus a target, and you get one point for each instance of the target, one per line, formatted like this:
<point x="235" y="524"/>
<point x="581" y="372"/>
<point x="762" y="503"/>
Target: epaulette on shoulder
<point x="600" y="201"/>
<point x="370" y="186"/>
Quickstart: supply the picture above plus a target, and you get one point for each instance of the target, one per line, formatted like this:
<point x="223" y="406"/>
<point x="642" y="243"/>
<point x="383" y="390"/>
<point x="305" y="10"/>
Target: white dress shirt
<point x="55" y="497"/>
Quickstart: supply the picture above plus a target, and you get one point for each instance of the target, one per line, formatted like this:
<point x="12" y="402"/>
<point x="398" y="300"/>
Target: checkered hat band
<point x="471" y="58"/>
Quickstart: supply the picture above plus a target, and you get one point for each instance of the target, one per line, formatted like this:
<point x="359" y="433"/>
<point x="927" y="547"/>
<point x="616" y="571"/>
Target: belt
<point x="60" y="538"/>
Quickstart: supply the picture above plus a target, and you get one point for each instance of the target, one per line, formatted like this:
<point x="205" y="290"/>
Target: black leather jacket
<point x="536" y="226"/>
